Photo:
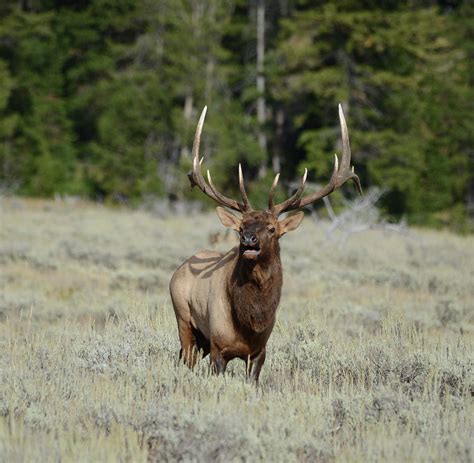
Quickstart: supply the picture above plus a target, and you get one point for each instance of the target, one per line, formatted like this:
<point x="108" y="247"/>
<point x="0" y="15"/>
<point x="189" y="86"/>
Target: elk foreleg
<point x="254" y="364"/>
<point x="218" y="362"/>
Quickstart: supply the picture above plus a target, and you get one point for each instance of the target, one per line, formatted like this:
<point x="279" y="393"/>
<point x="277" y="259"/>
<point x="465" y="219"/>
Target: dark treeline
<point x="100" y="98"/>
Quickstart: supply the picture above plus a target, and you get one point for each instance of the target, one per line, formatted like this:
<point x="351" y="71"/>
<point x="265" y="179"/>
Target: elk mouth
<point x="249" y="251"/>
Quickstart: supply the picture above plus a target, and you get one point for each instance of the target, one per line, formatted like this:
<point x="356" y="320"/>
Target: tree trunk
<point x="187" y="114"/>
<point x="277" y="150"/>
<point x="470" y="192"/>
<point x="261" y="105"/>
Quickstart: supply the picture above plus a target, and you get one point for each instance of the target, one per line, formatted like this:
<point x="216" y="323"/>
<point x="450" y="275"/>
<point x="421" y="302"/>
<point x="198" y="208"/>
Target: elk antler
<point x="196" y="178"/>
<point x="340" y="175"/>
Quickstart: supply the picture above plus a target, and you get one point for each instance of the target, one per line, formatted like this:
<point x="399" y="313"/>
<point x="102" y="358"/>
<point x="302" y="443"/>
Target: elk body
<point x="225" y="303"/>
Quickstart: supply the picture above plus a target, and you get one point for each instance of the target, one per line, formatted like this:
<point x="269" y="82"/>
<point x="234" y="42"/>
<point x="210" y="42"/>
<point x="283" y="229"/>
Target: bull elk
<point x="225" y="303"/>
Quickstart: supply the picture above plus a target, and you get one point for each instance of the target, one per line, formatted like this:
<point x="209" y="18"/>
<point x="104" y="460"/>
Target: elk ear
<point x="290" y="223"/>
<point x="228" y="219"/>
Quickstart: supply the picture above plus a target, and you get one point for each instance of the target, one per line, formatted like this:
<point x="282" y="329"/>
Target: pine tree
<point x="391" y="68"/>
<point x="101" y="97"/>
<point x="37" y="151"/>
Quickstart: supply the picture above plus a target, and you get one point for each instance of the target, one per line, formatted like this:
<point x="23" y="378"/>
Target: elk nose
<point x="248" y="239"/>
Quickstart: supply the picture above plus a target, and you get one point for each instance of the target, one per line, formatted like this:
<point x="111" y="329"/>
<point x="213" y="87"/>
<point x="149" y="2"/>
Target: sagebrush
<point x="370" y="360"/>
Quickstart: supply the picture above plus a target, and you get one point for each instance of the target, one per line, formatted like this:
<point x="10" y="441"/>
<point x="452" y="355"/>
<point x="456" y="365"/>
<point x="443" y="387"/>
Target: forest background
<point x="100" y="98"/>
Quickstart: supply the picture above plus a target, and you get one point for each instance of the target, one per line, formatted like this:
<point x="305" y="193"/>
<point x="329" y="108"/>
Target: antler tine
<point x="340" y="175"/>
<point x="196" y="178"/>
<point x="287" y="205"/>
<point x="220" y="198"/>
<point x="243" y="193"/>
<point x="271" y="204"/>
<point x="346" y="153"/>
<point x="346" y="168"/>
<point x="346" y="147"/>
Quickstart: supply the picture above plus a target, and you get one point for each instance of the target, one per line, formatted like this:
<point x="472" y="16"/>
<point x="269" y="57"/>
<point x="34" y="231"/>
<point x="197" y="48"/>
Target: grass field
<point x="371" y="358"/>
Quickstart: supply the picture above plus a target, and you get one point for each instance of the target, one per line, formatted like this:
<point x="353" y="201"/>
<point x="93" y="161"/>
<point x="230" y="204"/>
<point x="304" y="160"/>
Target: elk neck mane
<point x="254" y="290"/>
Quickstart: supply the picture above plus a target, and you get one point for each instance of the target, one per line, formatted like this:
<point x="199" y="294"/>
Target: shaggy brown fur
<point x="255" y="290"/>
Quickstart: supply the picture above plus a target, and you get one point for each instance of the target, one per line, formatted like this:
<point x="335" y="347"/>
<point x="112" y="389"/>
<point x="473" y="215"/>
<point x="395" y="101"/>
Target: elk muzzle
<point x="249" y="245"/>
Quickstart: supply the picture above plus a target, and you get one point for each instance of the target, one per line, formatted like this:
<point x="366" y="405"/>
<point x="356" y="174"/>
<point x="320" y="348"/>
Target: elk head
<point x="260" y="230"/>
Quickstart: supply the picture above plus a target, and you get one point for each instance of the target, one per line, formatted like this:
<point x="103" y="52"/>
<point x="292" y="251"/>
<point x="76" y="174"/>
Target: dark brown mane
<point x="255" y="289"/>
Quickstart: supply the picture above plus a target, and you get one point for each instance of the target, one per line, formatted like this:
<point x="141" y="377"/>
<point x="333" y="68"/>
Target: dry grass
<point x="371" y="358"/>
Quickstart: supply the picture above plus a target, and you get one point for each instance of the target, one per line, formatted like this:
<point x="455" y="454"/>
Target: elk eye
<point x="272" y="230"/>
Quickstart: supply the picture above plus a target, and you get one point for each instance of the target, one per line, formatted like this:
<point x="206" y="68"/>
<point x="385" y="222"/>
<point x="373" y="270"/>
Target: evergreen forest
<point x="100" y="98"/>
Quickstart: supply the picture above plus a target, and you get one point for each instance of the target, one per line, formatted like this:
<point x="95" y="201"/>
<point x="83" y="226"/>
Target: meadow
<point x="371" y="358"/>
